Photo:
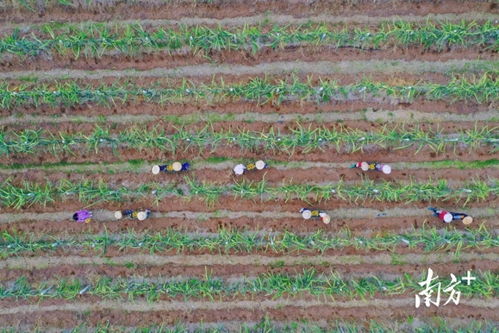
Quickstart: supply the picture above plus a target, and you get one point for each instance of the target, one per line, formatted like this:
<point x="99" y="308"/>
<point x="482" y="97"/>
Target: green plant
<point x="226" y="241"/>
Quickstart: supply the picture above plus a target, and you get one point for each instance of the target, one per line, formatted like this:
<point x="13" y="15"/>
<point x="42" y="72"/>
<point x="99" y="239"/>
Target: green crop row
<point x="28" y="194"/>
<point x="306" y="139"/>
<point x="481" y="90"/>
<point x="271" y="285"/>
<point x="96" y="39"/>
<point x="227" y="241"/>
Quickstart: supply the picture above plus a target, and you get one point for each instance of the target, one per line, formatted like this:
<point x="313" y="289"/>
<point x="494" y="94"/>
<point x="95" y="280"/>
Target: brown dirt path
<point x="110" y="10"/>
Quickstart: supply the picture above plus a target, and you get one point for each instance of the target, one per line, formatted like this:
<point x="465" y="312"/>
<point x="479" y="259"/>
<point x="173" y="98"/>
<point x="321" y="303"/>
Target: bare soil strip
<point x="241" y="107"/>
<point x="270" y="68"/>
<point x="343" y="213"/>
<point x="145" y="167"/>
<point x="242" y="271"/>
<point x="312" y="176"/>
<point x="277" y="19"/>
<point x="198" y="305"/>
<point x="142" y="306"/>
<point x="233" y="203"/>
<point x="356" y="226"/>
<point x="111" y="10"/>
<point x="71" y="319"/>
<point x="401" y="115"/>
<point x="392" y="220"/>
<point x="212" y="259"/>
<point x="168" y="60"/>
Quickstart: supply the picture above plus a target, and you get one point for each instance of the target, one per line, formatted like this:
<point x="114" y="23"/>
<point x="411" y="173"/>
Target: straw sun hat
<point x="325" y="218"/>
<point x="141" y="216"/>
<point x="386" y="169"/>
<point x="177" y="166"/>
<point x="260" y="165"/>
<point x="155" y="170"/>
<point x="307" y="214"/>
<point x="448" y="218"/>
<point x="467" y="220"/>
<point x="239" y="169"/>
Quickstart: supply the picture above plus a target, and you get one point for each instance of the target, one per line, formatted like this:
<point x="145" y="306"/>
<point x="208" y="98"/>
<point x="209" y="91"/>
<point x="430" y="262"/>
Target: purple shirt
<point x="81" y="215"/>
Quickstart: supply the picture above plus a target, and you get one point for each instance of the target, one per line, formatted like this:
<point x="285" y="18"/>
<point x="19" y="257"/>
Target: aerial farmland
<point x="249" y="166"/>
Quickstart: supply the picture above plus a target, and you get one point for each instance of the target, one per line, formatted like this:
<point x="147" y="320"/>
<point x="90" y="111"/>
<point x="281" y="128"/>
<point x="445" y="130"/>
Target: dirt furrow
<point x="139" y="166"/>
<point x="393" y="116"/>
<point x="241" y="107"/>
<point x="175" y="10"/>
<point x="277" y="19"/>
<point x="409" y="257"/>
<point x="134" y="313"/>
<point x="357" y="226"/>
<point x="233" y="271"/>
<point x="345" y="67"/>
<point x="235" y="204"/>
<point x="168" y="61"/>
<point x="454" y="177"/>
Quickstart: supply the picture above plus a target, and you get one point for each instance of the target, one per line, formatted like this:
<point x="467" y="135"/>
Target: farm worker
<point x="240" y="169"/>
<point x="82" y="216"/>
<point x="448" y="217"/>
<point x="140" y="215"/>
<point x="173" y="167"/>
<point x="370" y="166"/>
<point x="307" y="214"/>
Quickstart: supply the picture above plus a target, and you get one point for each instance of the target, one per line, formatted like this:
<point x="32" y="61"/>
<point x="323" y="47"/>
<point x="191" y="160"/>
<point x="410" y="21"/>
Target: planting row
<point x="28" y="194"/>
<point x="226" y="241"/>
<point x="306" y="139"/>
<point x="97" y="39"/>
<point x="269" y="285"/>
<point x="259" y="90"/>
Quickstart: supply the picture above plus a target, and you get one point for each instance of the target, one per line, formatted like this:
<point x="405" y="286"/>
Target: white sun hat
<point x="118" y="215"/>
<point x="386" y="169"/>
<point x="448" y="218"/>
<point x="307" y="214"/>
<point x="364" y="166"/>
<point x="239" y="169"/>
<point x="325" y="218"/>
<point x="141" y="216"/>
<point x="177" y="166"/>
<point x="260" y="165"/>
<point x="467" y="220"/>
<point x="155" y="170"/>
